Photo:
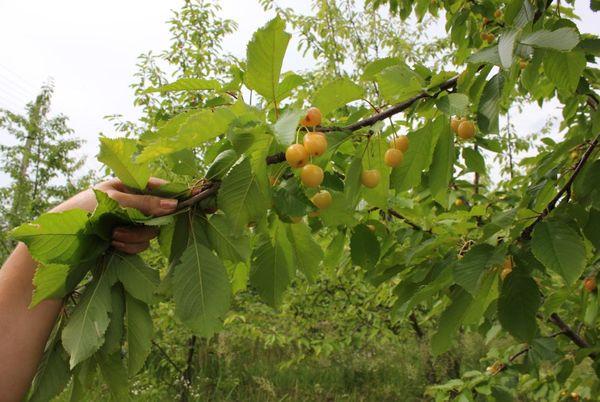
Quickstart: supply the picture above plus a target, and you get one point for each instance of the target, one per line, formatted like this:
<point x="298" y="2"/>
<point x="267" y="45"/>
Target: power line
<point x="20" y="78"/>
<point x="9" y="86"/>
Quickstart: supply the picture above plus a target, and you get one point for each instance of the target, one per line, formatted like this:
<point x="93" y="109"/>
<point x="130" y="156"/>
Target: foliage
<point x="39" y="162"/>
<point x="505" y="262"/>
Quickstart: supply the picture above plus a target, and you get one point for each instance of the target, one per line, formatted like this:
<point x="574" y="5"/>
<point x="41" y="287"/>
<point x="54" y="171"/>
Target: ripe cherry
<point x="370" y="178"/>
<point x="312" y="118"/>
<point x="311" y="175"/>
<point x="459" y="202"/>
<point x="315" y="143"/>
<point x="590" y="284"/>
<point x="454" y="123"/>
<point x="400" y="142"/>
<point x="466" y="130"/>
<point x="490" y="38"/>
<point x="498" y="14"/>
<point x="393" y="157"/>
<point x="296" y="155"/>
<point x="322" y="199"/>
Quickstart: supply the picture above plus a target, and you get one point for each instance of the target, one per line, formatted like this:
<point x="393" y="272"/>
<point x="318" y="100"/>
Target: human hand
<point x="128" y="239"/>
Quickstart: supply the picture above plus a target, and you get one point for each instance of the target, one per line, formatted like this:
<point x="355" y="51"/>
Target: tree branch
<point x="566" y="189"/>
<point x="209" y="189"/>
<point x="570" y="333"/>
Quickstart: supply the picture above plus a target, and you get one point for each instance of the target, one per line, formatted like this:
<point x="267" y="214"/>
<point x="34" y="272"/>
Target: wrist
<point x="85" y="200"/>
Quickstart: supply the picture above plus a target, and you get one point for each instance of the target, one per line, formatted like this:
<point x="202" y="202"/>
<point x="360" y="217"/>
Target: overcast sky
<point x="89" y="49"/>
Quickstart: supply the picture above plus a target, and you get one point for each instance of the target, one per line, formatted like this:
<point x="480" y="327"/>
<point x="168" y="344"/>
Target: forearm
<point x="23" y="331"/>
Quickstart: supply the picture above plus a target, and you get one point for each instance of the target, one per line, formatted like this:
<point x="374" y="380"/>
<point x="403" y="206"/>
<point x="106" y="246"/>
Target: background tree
<point x="40" y="163"/>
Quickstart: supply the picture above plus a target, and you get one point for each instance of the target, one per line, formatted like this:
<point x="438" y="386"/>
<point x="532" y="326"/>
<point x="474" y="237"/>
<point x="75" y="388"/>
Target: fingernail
<point x="117" y="243"/>
<point x="168" y="204"/>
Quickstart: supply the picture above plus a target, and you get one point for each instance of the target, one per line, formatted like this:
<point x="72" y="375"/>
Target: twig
<point x="166" y="356"/>
<point x="570" y="333"/>
<point x="187" y="374"/>
<point x="410" y="223"/>
<point x="207" y="192"/>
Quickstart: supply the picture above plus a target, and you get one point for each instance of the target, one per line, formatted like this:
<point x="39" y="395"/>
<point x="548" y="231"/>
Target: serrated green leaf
<point x="118" y="155"/>
<point x="506" y="47"/>
<point x="442" y="166"/>
<point x="240" y="196"/>
<point x="560" y="248"/>
<point x="419" y="155"/>
<point x="52" y="374"/>
<point x="139" y="333"/>
<point x="453" y="104"/>
<point x="187" y="84"/>
<point x="563" y="39"/>
<point x="364" y="247"/>
<point x="518" y="304"/>
<point x="307" y="253"/>
<point x="488" y="55"/>
<point x="115" y="376"/>
<point x="201" y="290"/>
<point x="336" y="94"/>
<point x="60" y="238"/>
<point x="470" y="269"/>
<point x="221" y="165"/>
<point x="264" y="58"/>
<point x="83" y="334"/>
<point x="138" y="279"/>
<point x="474" y="160"/>
<point x="231" y="245"/>
<point x="564" y="69"/>
<point x="116" y="328"/>
<point x="289" y="82"/>
<point x="54" y="281"/>
<point x="187" y="131"/>
<point x="489" y="105"/>
<point x="398" y="83"/>
<point x="270" y="271"/>
<point x="375" y="66"/>
<point x="450" y="321"/>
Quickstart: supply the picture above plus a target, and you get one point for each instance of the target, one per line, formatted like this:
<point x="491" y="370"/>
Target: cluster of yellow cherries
<point x="314" y="143"/>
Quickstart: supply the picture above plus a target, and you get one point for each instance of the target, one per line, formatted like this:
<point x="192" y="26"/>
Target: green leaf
<point x="564" y="69"/>
<point x="115" y="376"/>
<point x="563" y="39"/>
<point x="375" y="66"/>
<point x="60" y="238"/>
<point x="419" y="155"/>
<point x="114" y="333"/>
<point x="306" y="251"/>
<point x="289" y="82"/>
<point x="398" y="83"/>
<point x="560" y="248"/>
<point x="450" y="321"/>
<point x="592" y="228"/>
<point x="232" y="245"/>
<point x="139" y="333"/>
<point x="489" y="105"/>
<point x="506" y="47"/>
<point x="55" y="281"/>
<point x="290" y="201"/>
<point x="442" y="166"/>
<point x="374" y="159"/>
<point x="264" y="58"/>
<point x="270" y="271"/>
<point x="470" y="269"/>
<point x="188" y="84"/>
<point x="52" y="374"/>
<point x="138" y="279"/>
<point x="118" y="155"/>
<point x="364" y="247"/>
<point x="518" y="304"/>
<point x="474" y="160"/>
<point x="286" y="125"/>
<point x="201" y="290"/>
<point x="453" y="104"/>
<point x="336" y="94"/>
<point x="83" y="334"/>
<point x="186" y="131"/>
<point x="240" y="196"/>
<point x="221" y="165"/>
<point x="488" y="55"/>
